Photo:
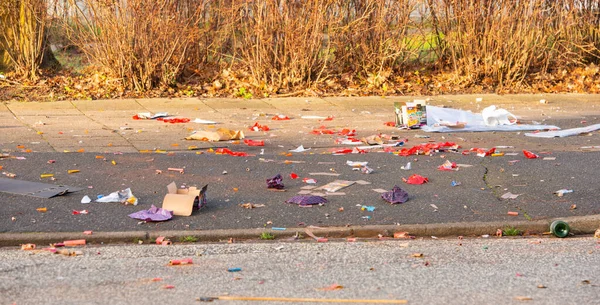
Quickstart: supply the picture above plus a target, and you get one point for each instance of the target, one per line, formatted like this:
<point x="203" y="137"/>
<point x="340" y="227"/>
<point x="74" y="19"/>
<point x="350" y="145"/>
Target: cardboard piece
<point x="36" y="189"/>
<point x="182" y="201"/>
<point x="411" y="114"/>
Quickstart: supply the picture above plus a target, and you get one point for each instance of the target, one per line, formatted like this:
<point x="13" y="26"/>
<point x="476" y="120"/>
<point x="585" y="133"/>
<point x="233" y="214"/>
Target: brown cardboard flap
<point x="181" y="205"/>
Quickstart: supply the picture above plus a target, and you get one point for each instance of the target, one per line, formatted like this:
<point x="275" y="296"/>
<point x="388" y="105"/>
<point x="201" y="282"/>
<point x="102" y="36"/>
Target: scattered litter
<point x="368" y="208"/>
<point x="396" y="195"/>
<point x="236" y="269"/>
<point x="68" y="252"/>
<point x="174" y="120"/>
<point x="88" y="232"/>
<point x="510" y="195"/>
<point x="455" y="183"/>
<point x="124" y="196"/>
<point x="181" y="201"/>
<point x="416" y="179"/>
<point x="251" y="205"/>
<point x="28" y="247"/>
<point x="562" y="192"/>
<point x="152" y="214"/>
<point x="309" y="180"/>
<point x="403" y="235"/>
<point x="161" y="240"/>
<point x="86" y="199"/>
<point x="293" y="176"/>
<point x="373" y="140"/>
<point x="381" y="191"/>
<point x="306" y="200"/>
<point x="356" y="163"/>
<point x="313" y="117"/>
<point x="73" y="171"/>
<point x="173" y="169"/>
<point x="254" y="142"/>
<point x="178" y="262"/>
<point x="311" y="234"/>
<point x="513" y="213"/>
<point x="227" y="151"/>
<point x="323" y="174"/>
<point x="529" y="155"/>
<point x="560" y="228"/>
<point x="493" y="116"/>
<point x="406" y="167"/>
<point x="362" y="182"/>
<point x="448" y="166"/>
<point x="564" y="133"/>
<point x="221" y="134"/>
<point x="82" y="212"/>
<point x="366" y="170"/>
<point x="549" y="158"/>
<point x="280" y="117"/>
<point x="35" y="189"/>
<point x="150" y="116"/>
<point x="434" y="207"/>
<point x="441" y="119"/>
<point x="258" y="127"/>
<point x="275" y="182"/>
<point x="74" y="242"/>
<point x="299" y="149"/>
<point x="201" y="121"/>
<point x="335" y="185"/>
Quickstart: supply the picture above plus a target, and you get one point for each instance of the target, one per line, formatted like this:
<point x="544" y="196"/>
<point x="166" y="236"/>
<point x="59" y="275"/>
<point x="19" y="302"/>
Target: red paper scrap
<point x="416" y="179"/>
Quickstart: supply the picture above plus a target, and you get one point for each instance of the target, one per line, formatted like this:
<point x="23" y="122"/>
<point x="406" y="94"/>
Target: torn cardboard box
<point x="182" y="201"/>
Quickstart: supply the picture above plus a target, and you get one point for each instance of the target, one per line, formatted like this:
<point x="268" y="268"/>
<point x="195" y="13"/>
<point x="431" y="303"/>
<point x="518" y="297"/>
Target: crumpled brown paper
<point x="222" y="134"/>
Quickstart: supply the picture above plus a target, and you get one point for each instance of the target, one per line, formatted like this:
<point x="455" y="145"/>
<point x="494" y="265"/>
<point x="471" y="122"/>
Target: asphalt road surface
<point x="477" y="198"/>
<point x="443" y="271"/>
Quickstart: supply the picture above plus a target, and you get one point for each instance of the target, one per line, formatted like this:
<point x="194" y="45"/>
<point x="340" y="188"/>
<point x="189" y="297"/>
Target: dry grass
<point x="144" y="43"/>
<point x="351" y="47"/>
<point x="501" y="42"/>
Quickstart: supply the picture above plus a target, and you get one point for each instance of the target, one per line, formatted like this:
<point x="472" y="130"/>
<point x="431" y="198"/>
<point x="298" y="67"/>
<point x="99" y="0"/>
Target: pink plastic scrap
<point x="448" y="166"/>
<point x="152" y="214"/>
<point x="396" y="195"/>
<point x="275" y="182"/>
<point x="307" y="200"/>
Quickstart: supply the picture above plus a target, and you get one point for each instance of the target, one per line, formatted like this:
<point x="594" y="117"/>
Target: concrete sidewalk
<point x="107" y="125"/>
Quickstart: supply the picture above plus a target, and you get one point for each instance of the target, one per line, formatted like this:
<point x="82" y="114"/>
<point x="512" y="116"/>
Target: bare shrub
<point x="376" y="37"/>
<point x="281" y="42"/>
<point x="145" y="43"/>
<point x="501" y="42"/>
<point x="22" y="29"/>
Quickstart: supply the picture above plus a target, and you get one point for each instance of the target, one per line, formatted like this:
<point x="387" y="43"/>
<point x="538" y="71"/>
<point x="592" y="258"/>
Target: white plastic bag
<point x="493" y="116"/>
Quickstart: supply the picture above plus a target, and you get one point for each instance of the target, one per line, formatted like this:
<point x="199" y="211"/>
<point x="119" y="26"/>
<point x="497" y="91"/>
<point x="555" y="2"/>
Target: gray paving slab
<point x="130" y="105"/>
<point x="231" y="105"/>
<point x="3" y="109"/>
<point x="42" y="108"/>
<point x="60" y="122"/>
<point x="176" y="106"/>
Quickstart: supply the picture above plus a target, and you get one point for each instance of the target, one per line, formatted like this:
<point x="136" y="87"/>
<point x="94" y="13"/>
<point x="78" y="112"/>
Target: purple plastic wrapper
<point x="152" y="214"/>
<point x="275" y="182"/>
<point x="396" y="195"/>
<point x="307" y="200"/>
